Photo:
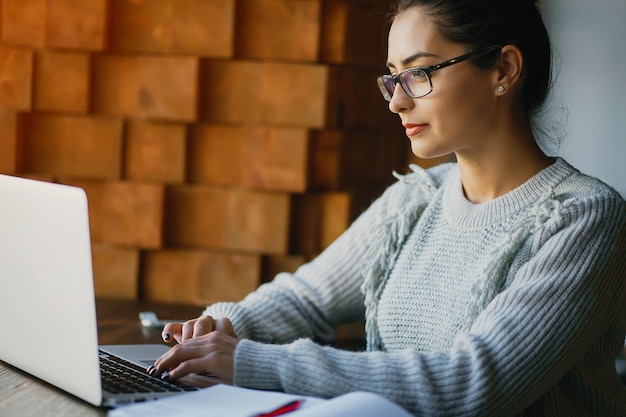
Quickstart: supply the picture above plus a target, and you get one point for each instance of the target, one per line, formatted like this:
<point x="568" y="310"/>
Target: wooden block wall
<point x="219" y="141"/>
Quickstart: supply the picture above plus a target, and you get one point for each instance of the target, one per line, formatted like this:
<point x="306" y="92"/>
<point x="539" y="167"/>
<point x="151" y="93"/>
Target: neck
<point x="500" y="166"/>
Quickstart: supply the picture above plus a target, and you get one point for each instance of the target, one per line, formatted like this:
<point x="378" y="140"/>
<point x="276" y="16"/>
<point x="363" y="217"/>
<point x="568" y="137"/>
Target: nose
<point x="400" y="101"/>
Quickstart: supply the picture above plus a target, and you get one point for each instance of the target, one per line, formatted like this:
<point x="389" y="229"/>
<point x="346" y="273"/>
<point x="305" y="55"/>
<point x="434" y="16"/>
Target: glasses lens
<point x="386" y="86"/>
<point x="416" y="82"/>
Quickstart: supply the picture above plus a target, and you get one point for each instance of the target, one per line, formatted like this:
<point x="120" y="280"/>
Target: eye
<point x="417" y="74"/>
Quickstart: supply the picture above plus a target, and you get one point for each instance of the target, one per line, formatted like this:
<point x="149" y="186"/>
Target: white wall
<point x="590" y="40"/>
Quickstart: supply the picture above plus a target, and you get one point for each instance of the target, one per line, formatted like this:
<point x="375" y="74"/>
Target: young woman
<point x="490" y="286"/>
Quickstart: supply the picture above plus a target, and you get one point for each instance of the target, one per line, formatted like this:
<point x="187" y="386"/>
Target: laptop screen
<point x="46" y="285"/>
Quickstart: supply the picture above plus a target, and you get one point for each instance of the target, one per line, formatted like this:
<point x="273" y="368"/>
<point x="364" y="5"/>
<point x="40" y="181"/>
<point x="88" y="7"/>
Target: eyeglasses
<point x="417" y="82"/>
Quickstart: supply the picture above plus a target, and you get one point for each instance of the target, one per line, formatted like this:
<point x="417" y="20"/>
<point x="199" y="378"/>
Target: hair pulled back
<point x="483" y="23"/>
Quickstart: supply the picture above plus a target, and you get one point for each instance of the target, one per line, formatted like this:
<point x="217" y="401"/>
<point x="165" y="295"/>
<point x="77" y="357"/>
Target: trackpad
<point x="143" y="354"/>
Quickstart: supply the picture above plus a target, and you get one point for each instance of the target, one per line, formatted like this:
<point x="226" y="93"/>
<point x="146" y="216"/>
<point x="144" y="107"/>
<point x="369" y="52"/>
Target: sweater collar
<point x="463" y="213"/>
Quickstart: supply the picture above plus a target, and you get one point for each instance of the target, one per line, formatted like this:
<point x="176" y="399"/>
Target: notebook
<point x="47" y="300"/>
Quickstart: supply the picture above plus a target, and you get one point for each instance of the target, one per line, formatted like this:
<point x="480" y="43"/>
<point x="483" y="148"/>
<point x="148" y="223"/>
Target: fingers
<point x="172" y="330"/>
<point x="187" y="330"/>
<point x="226" y="326"/>
<point x="203" y="325"/>
<point x="211" y="353"/>
<point x="196" y="327"/>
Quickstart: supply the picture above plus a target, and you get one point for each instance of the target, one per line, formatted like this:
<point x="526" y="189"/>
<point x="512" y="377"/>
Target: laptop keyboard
<point x="120" y="376"/>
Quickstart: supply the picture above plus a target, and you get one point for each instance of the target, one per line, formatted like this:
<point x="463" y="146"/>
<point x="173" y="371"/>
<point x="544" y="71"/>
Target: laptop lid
<point x="47" y="306"/>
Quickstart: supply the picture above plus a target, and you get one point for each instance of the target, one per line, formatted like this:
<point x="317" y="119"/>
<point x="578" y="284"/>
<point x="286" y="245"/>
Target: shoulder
<point x="586" y="192"/>
<point x="585" y="204"/>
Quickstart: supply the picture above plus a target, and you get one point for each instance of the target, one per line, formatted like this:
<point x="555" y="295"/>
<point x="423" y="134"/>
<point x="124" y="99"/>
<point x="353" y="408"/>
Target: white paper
<point x="217" y="401"/>
<point x="226" y="400"/>
<point x="354" y="404"/>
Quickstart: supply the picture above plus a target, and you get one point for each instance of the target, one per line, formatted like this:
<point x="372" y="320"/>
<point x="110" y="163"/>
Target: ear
<point x="509" y="69"/>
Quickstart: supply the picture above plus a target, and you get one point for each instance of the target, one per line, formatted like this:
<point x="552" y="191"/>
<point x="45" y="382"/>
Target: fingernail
<point x="166" y="336"/>
<point x="151" y="370"/>
<point x="165" y="376"/>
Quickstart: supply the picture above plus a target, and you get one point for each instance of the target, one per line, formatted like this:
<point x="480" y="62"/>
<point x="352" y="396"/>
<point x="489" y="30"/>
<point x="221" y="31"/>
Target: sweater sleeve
<point x="562" y="312"/>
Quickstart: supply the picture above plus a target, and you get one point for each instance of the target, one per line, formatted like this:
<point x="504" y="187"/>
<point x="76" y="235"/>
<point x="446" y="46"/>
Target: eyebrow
<point x="406" y="61"/>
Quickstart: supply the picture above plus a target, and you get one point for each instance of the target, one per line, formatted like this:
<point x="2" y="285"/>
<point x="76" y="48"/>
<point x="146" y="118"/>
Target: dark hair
<point x="484" y="23"/>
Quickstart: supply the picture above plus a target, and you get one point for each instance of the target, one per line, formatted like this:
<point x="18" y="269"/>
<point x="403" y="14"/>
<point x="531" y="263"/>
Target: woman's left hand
<point x="211" y="353"/>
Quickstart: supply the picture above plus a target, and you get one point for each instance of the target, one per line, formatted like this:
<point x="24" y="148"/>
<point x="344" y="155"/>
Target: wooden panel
<point x="200" y="27"/>
<point x="116" y="271"/>
<point x="334" y="31"/>
<point x="133" y="214"/>
<point x="95" y="191"/>
<point x="16" y="75"/>
<point x="361" y="150"/>
<point x="62" y="81"/>
<point x="199" y="277"/>
<point x="23" y="22"/>
<point x="278" y="29"/>
<point x="257" y="157"/>
<point x="275" y="264"/>
<point x="116" y="85"/>
<point x="134" y="86"/>
<point x="155" y="151"/>
<point x="326" y="149"/>
<point x="318" y="219"/>
<point x="393" y="147"/>
<point x="8" y="141"/>
<point x="215" y="154"/>
<point x="233" y="219"/>
<point x="362" y="105"/>
<point x="83" y="24"/>
<point x="276" y="159"/>
<point x="231" y="92"/>
<point x="305" y="226"/>
<point x="294" y="94"/>
<point x="168" y="88"/>
<point x="82" y="147"/>
<point x="258" y="222"/>
<point x="344" y="41"/>
<point x="335" y="216"/>
<point x="269" y="93"/>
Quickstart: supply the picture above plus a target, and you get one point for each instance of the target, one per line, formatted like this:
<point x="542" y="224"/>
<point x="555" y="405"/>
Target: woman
<point x="490" y="286"/>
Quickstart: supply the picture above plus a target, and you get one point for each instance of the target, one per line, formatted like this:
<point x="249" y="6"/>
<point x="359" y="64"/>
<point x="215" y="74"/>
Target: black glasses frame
<point x="383" y="80"/>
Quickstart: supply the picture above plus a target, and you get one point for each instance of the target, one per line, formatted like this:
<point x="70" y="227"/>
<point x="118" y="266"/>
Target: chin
<point x="423" y="153"/>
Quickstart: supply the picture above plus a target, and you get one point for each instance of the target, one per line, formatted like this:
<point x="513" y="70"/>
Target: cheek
<point x="463" y="109"/>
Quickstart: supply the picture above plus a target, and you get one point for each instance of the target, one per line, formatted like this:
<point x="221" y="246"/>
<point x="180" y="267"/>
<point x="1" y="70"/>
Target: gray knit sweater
<point x="511" y="307"/>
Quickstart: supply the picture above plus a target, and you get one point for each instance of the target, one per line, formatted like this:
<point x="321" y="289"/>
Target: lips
<point x="413" y="129"/>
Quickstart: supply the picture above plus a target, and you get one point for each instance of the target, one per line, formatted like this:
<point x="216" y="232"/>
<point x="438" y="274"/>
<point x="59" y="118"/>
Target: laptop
<point x="47" y="300"/>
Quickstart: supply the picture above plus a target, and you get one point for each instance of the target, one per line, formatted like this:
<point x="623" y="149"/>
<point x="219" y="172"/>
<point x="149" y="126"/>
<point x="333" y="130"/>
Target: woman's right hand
<point x="196" y="327"/>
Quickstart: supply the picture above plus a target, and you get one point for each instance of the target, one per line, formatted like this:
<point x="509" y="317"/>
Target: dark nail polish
<point x="167" y="336"/>
<point x="165" y="376"/>
<point x="151" y="370"/>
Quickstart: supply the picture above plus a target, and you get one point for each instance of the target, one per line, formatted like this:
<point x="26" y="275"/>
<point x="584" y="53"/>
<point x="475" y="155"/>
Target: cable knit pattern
<point x="515" y="307"/>
<point x="389" y="237"/>
<point x="491" y="279"/>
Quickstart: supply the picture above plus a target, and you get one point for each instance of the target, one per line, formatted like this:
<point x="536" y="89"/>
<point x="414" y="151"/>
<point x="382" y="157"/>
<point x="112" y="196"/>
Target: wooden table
<point x="24" y="396"/>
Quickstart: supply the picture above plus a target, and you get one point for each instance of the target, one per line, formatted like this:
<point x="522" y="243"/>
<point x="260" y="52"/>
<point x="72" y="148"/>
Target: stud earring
<point x="500" y="89"/>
